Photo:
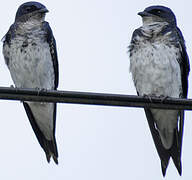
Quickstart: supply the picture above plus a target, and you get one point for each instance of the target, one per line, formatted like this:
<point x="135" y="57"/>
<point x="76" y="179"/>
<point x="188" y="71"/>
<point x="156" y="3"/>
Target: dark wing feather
<point x="185" y="69"/>
<point x="7" y="41"/>
<point x="183" y="62"/>
<point x="53" y="50"/>
<point x="9" y="35"/>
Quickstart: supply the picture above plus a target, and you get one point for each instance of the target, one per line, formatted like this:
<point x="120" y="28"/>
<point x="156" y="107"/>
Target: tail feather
<point x="164" y="165"/>
<point x="175" y="151"/>
<point x="162" y="152"/>
<point x="49" y="146"/>
<point x="176" y="154"/>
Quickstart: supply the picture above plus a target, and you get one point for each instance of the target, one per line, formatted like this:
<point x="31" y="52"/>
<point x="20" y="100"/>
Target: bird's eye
<point x="159" y="12"/>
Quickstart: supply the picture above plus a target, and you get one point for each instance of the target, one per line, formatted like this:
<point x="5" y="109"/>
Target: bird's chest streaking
<point x="29" y="61"/>
<point x="154" y="65"/>
<point x="156" y="71"/>
<point x="30" y="64"/>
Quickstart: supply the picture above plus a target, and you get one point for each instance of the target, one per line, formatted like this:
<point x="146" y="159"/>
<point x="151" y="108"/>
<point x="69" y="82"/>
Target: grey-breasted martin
<point x="160" y="66"/>
<point x="29" y="49"/>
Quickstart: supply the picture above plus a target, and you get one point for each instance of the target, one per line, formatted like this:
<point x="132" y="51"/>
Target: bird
<point x="30" y="53"/>
<point x="159" y="65"/>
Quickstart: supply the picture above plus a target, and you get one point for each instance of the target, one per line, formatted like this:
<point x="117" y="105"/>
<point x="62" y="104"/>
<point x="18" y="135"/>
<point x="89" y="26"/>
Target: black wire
<point x="92" y="98"/>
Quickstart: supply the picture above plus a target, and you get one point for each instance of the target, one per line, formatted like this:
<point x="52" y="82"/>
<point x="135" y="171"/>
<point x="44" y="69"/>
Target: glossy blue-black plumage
<point x="163" y="12"/>
<point x="29" y="7"/>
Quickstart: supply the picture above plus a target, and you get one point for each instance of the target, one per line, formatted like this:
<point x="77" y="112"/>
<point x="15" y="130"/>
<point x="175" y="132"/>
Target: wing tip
<point x="55" y="158"/>
<point x="51" y="150"/>
<point x="164" y="165"/>
<point x="179" y="168"/>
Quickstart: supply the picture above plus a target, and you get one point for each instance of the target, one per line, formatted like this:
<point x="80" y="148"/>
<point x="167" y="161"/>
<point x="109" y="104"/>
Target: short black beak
<point x="44" y="10"/>
<point x="143" y="13"/>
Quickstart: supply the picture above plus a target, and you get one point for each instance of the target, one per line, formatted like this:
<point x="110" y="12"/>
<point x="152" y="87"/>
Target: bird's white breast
<point x="155" y="69"/>
<point x="31" y="66"/>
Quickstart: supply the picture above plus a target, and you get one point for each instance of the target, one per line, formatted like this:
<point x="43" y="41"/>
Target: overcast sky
<point x="94" y="142"/>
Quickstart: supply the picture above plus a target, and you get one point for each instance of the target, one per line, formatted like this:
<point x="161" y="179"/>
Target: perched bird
<point x="160" y="66"/>
<point x="29" y="49"/>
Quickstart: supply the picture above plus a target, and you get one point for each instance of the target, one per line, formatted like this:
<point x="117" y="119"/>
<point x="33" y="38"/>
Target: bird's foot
<point x="40" y="90"/>
<point x="163" y="98"/>
<point x="15" y="88"/>
<point x="149" y="96"/>
<point x="12" y="86"/>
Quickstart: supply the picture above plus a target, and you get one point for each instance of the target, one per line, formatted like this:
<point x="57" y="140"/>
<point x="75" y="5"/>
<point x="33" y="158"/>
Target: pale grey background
<point x="94" y="142"/>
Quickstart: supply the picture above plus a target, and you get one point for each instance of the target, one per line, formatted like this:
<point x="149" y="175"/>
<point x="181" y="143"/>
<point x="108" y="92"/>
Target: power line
<point x="7" y="93"/>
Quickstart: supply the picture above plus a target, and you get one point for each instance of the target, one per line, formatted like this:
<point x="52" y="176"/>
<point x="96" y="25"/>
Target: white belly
<point x="32" y="67"/>
<point x="155" y="70"/>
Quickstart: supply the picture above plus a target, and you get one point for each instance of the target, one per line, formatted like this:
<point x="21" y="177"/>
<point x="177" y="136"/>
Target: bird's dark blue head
<point x="29" y="9"/>
<point x="160" y="13"/>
